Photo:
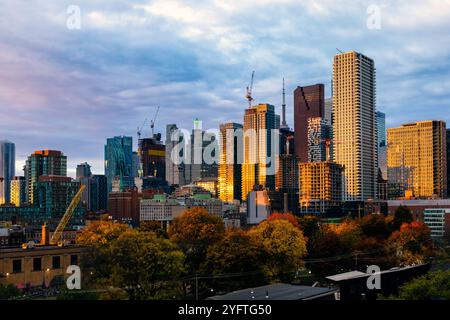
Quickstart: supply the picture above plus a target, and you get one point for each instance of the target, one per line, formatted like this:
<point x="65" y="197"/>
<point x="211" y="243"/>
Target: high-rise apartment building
<point x="309" y="102"/>
<point x="260" y="148"/>
<point x="230" y="170"/>
<point x="320" y="187"/>
<point x="43" y="163"/>
<point x="7" y="169"/>
<point x="416" y="159"/>
<point x="174" y="168"/>
<point x="354" y="124"/>
<point x="448" y="163"/>
<point x="18" y="191"/>
<point x="119" y="161"/>
<point x="382" y="148"/>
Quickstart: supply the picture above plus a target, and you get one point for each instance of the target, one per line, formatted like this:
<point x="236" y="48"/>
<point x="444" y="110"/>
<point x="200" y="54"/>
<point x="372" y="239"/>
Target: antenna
<point x="249" y="91"/>
<point x="283" y="109"/>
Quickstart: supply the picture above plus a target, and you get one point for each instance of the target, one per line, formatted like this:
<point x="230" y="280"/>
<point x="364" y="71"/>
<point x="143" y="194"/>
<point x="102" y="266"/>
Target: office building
<point x="382" y="146"/>
<point x="320" y="187"/>
<point x="230" y="159"/>
<point x="354" y="124"/>
<point x="18" y="191"/>
<point x="152" y="155"/>
<point x="99" y="193"/>
<point x="119" y="162"/>
<point x="124" y="206"/>
<point x="43" y="163"/>
<point x="174" y="166"/>
<point x="309" y="102"/>
<point x="319" y="140"/>
<point x="328" y="114"/>
<point x="83" y="171"/>
<point x="416" y="159"/>
<point x="7" y="169"/>
<point x="438" y="220"/>
<point x="286" y="182"/>
<point x="261" y="148"/>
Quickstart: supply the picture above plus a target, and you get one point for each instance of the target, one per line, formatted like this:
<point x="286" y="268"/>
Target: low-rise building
<point x="438" y="220"/>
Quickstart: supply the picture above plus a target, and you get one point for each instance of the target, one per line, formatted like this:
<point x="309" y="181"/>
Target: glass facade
<point x="119" y="160"/>
<point x="7" y="169"/>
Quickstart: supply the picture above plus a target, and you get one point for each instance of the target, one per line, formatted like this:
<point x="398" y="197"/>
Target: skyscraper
<point x="119" y="161"/>
<point x="18" y="191"/>
<point x="416" y="159"/>
<point x="319" y="140"/>
<point x="259" y="121"/>
<point x="7" y="169"/>
<point x="382" y="156"/>
<point x="309" y="102"/>
<point x="43" y="163"/>
<point x="230" y="174"/>
<point x="152" y="155"/>
<point x="354" y="124"/>
<point x="83" y="171"/>
<point x="448" y="163"/>
<point x="174" y="170"/>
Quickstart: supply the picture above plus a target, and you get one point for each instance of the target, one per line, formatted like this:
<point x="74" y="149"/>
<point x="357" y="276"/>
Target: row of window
<point x="37" y="263"/>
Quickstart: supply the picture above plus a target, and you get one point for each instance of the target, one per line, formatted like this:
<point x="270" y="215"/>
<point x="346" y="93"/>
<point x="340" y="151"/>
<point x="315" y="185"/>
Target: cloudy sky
<point x="69" y="89"/>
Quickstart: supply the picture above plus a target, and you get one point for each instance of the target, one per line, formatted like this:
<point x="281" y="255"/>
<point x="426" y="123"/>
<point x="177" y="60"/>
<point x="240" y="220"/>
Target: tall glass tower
<point x="381" y="128"/>
<point x="119" y="161"/>
<point x="7" y="169"/>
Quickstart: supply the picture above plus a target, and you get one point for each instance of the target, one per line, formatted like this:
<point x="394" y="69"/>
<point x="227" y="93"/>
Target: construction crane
<point x="249" y="91"/>
<point x="139" y="129"/>
<point x="152" y="123"/>
<point x="57" y="235"/>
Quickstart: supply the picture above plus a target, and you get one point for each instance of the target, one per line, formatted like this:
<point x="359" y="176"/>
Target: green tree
<point x="284" y="246"/>
<point x="194" y="232"/>
<point x="146" y="266"/>
<point x="8" y="291"/>
<point x="154" y="226"/>
<point x="309" y="225"/>
<point x="402" y="215"/>
<point x="236" y="252"/>
<point x="432" y="286"/>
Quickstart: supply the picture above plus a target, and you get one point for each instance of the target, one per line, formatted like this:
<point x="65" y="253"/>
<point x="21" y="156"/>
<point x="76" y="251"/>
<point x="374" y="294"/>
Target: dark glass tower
<point x="309" y="102"/>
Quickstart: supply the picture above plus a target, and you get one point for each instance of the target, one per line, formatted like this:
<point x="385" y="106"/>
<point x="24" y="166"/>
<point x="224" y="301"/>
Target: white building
<point x="258" y="207"/>
<point x="355" y="125"/>
<point x="435" y="220"/>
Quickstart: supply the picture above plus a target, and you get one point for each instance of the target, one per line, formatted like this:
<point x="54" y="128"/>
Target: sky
<point x="68" y="88"/>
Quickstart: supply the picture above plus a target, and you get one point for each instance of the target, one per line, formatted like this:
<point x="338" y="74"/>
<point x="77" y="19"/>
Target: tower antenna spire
<point x="283" y="109"/>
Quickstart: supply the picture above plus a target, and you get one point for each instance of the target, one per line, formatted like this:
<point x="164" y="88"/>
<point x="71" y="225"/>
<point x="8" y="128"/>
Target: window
<point x="56" y="262"/>
<point x="73" y="259"/>
<point x="17" y="266"/>
<point x="37" y="264"/>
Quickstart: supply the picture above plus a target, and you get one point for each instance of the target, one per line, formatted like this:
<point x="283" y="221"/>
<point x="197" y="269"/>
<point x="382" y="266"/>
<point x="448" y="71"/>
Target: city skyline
<point x="104" y="79"/>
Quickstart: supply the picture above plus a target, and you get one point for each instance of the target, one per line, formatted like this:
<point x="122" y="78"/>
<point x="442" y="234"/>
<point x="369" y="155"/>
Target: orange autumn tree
<point x="284" y="216"/>
<point x="412" y="243"/>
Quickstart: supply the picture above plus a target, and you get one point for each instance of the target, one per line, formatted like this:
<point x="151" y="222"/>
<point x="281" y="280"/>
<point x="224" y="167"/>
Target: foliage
<point x="432" y="286"/>
<point x="349" y="233"/>
<point x="77" y="295"/>
<point x="8" y="291"/>
<point x="101" y="232"/>
<point x="285" y="216"/>
<point x="309" y="225"/>
<point x="412" y="243"/>
<point x="284" y="247"/>
<point x="144" y="264"/>
<point x="402" y="215"/>
<point x="376" y="226"/>
<point x="236" y="252"/>
<point x="154" y="226"/>
<point x="194" y="232"/>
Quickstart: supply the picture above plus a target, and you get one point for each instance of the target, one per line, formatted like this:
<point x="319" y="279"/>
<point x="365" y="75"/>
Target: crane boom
<point x="57" y="235"/>
<point x="249" y="91"/>
<point x="152" y="123"/>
